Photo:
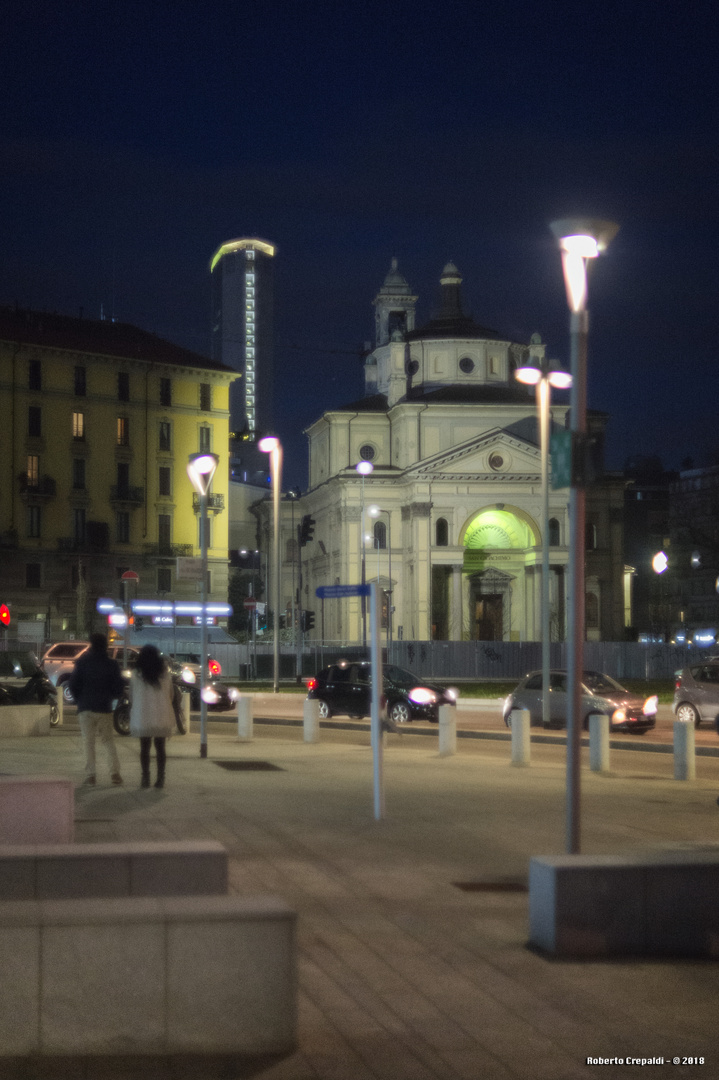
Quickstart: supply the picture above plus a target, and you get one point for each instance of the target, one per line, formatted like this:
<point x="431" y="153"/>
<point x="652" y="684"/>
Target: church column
<point x="455" y="626"/>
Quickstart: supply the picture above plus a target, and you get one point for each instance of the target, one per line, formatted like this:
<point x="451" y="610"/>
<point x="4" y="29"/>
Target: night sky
<point x="136" y="137"/>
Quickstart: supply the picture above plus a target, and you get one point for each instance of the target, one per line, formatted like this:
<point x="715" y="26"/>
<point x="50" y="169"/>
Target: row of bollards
<point x="684" y="744"/>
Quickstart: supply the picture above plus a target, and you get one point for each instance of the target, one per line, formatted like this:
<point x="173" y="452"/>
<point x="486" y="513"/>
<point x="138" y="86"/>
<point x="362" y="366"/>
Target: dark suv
<point x="345" y="688"/>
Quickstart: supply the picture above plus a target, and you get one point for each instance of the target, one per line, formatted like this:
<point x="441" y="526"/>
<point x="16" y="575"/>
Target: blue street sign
<point x="329" y="592"/>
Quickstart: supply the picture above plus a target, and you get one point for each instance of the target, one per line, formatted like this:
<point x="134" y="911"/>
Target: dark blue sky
<point x="135" y="138"/>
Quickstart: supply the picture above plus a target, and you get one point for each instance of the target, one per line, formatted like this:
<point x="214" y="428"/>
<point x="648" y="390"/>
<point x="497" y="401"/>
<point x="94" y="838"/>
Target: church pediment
<point x="495" y="455"/>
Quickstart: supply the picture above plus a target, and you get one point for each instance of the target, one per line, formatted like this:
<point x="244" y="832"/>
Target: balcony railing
<point x="125" y="494"/>
<point x="43" y="487"/>
<point x="168" y="551"/>
<point x="216" y="503"/>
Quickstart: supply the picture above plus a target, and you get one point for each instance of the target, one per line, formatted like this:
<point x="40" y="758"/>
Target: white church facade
<point x="448" y="520"/>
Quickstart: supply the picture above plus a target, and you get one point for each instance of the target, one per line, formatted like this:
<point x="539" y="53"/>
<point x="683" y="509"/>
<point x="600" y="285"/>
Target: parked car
<point x="345" y="688"/>
<point x="23" y="682"/>
<point x="60" y="659"/>
<point x="186" y="669"/>
<point x="600" y="694"/>
<point x="696" y="693"/>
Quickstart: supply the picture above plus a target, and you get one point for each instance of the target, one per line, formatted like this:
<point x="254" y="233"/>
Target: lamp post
<point x="375" y="512"/>
<point x="544" y="374"/>
<point x="364" y="468"/>
<point x="579" y="239"/>
<point x="200" y="469"/>
<point x="293" y="494"/>
<point x="272" y="446"/>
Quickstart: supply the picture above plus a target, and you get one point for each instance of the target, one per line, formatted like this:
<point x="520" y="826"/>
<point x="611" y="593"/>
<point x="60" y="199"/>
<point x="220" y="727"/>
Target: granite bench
<point x="22" y="720"/>
<point x="36" y="809"/>
<point x="658" y="904"/>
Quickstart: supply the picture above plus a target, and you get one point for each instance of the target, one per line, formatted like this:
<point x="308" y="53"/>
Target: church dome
<point x="395" y="284"/>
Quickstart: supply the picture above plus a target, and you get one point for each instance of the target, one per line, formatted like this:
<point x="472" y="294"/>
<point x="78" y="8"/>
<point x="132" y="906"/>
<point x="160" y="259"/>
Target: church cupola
<point x="450" y="302"/>
<point x="394" y="307"/>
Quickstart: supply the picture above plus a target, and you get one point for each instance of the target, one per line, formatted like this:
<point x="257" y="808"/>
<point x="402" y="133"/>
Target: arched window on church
<point x="441" y="533"/>
<point x="590" y="536"/>
<point x="592" y="611"/>
<point x="380" y="535"/>
<point x="553" y="532"/>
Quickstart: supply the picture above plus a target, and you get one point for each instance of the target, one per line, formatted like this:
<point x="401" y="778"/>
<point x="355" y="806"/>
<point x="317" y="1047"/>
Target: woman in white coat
<point x="152" y="715"/>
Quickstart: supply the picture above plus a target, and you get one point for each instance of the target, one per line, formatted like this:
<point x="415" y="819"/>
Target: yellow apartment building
<point x="99" y="420"/>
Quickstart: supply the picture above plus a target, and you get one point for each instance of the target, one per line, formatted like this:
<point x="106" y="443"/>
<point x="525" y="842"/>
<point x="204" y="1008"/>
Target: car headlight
<point x="451" y="693"/>
<point x="420" y="695"/>
<point x="210" y="695"/>
<point x="618" y="716"/>
<point x="188" y="676"/>
<point x="233" y="694"/>
<point x="651" y="705"/>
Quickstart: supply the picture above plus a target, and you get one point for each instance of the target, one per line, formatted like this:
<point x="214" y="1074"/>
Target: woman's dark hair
<point x="151" y="664"/>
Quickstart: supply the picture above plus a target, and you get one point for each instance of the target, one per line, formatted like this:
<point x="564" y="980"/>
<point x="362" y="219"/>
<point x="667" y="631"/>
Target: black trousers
<point x="145" y="744"/>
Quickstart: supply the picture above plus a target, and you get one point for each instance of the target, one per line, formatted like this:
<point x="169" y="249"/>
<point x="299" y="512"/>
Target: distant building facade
<point x="101" y="419"/>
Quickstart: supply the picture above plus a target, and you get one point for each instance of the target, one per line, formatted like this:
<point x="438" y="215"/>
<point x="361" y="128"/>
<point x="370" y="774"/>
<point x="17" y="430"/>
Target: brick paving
<point x="404" y="976"/>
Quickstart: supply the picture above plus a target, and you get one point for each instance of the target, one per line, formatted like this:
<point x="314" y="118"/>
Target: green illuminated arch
<point x="499" y="528"/>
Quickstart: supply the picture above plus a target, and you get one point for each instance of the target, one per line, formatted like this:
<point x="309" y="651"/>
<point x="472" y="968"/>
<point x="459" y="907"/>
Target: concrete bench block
<point x="36" y="810"/>
<point x="662" y="904"/>
<point x="21" y="720"/>
<point x="66" y="871"/>
<point x="141" y="976"/>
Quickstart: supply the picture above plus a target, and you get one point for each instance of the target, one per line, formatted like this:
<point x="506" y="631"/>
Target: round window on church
<point x="466" y="365"/>
<point x="367" y="452"/>
<point x="496" y="461"/>
<point x="412" y="367"/>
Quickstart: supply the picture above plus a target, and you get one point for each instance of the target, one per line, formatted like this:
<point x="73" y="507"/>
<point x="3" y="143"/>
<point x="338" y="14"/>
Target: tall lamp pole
<point x="544" y="374"/>
<point x="200" y="469"/>
<point x="364" y="468"/>
<point x="375" y="512"/>
<point x="272" y="446"/>
<point x="579" y="239"/>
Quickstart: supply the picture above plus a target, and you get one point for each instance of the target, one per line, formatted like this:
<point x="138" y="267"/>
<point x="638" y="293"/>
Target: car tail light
<point x="215" y="668"/>
<point x="311" y="684"/>
<point x="678" y="682"/>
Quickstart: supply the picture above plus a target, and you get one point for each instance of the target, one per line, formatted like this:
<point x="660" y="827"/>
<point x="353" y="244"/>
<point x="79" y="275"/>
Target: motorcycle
<point x="38" y="690"/>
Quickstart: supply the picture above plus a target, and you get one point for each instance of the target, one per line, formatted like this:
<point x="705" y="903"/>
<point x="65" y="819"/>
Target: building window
<point x="33" y="575"/>
<point x="122" y="527"/>
<point x="34" y="375"/>
<point x="590" y="537"/>
<point x="205" y="439"/>
<point x="34" y="421"/>
<point x="165" y="435"/>
<point x="592" y="611"/>
<point x="164" y="484"/>
<point x="80" y="382"/>
<point x="123" y="479"/>
<point x="466" y="365"/>
<point x="78" y="425"/>
<point x="205" y="397"/>
<point x="166" y="391"/>
<point x="441" y="532"/>
<point x="164" y="530"/>
<point x="123" y="431"/>
<point x="78" y="524"/>
<point x="123" y="386"/>
<point x="380" y="535"/>
<point x="78" y="474"/>
<point x="33" y="521"/>
<point x="164" y="579"/>
<point x="553" y="532"/>
<point x="367" y="452"/>
<point x="33" y="470"/>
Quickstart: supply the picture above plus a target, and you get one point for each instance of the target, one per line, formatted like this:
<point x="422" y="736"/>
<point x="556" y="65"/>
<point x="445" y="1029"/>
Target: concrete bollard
<point x="521" y="743"/>
<point x="311" y="713"/>
<point x="447" y="730"/>
<point x="598" y="742"/>
<point x="186" y="707"/>
<point x="60" y="709"/>
<point x="244" y="718"/>
<point x="684" y="758"/>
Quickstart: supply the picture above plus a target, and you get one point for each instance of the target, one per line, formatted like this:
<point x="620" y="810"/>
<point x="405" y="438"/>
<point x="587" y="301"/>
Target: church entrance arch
<point x="495" y="543"/>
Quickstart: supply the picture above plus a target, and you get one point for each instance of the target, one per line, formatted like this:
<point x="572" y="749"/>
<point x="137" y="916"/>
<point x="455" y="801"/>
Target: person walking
<point x="152" y="714"/>
<point x="96" y="681"/>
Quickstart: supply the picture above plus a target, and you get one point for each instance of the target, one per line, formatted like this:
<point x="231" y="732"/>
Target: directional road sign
<point x="333" y="592"/>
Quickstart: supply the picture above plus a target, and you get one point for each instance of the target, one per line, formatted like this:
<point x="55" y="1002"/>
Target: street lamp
<point x="200" y="469"/>
<point x="292" y="495"/>
<point x="544" y="374"/>
<point x="272" y="446"/>
<point x="375" y="512"/>
<point x="364" y="468"/>
<point x="579" y="239"/>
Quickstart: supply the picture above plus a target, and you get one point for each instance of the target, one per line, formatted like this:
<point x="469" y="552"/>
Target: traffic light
<point x="307" y="528"/>
<point x="138" y="624"/>
<point x="308" y="621"/>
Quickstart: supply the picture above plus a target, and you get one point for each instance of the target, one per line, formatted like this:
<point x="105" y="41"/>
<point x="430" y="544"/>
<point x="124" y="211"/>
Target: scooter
<point x="38" y="690"/>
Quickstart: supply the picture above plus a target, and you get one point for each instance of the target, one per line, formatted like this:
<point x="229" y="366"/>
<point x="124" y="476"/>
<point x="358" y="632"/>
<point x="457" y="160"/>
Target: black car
<point x="345" y="688"/>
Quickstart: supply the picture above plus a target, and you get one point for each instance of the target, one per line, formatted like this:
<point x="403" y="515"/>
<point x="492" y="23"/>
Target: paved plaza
<point x="404" y="975"/>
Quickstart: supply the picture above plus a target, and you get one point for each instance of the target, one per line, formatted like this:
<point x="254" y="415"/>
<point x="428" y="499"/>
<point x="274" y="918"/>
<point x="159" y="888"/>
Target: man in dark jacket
<point x="96" y="681"/>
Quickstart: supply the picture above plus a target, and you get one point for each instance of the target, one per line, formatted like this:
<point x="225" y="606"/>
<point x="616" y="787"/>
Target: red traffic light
<point x="4" y="614"/>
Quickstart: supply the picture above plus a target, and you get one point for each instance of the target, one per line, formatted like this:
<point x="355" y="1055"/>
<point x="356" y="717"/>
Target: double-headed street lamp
<point x="544" y="374"/>
<point x="364" y="468"/>
<point x="200" y="469"/>
<point x="272" y="446"/>
<point x="375" y="512"/>
<point x="579" y="239"/>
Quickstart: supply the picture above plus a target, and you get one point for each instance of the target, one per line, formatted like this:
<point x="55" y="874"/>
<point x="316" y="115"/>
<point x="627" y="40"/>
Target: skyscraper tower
<point x="242" y="315"/>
